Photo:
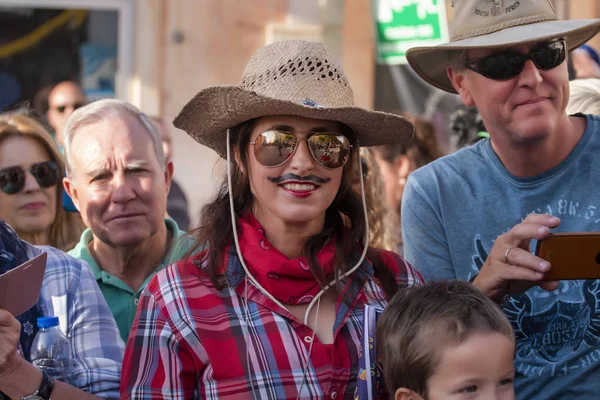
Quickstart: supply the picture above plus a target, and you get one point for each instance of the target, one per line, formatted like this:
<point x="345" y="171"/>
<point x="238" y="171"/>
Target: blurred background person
<point x="586" y="62"/>
<point x="397" y="161"/>
<point x="584" y="97"/>
<point x="177" y="204"/>
<point x="64" y="98"/>
<point x="382" y="223"/>
<point x="31" y="169"/>
<point x="466" y="127"/>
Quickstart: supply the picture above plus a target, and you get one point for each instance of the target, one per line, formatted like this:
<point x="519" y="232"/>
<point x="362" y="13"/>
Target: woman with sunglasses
<point x="31" y="171"/>
<point x="273" y="307"/>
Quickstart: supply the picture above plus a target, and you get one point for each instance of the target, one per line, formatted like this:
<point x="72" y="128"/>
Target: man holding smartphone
<point x="475" y="215"/>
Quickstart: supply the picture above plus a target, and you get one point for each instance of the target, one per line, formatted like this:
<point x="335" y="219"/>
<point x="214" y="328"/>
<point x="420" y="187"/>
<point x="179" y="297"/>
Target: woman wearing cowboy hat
<point x="273" y="308"/>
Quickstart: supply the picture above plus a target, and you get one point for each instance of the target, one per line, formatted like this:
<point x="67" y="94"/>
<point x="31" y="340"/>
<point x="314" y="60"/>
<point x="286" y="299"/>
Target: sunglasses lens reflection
<point x="273" y="148"/>
<point x="46" y="173"/>
<point x="330" y="150"/>
<point x="507" y="65"/>
<point x="12" y="179"/>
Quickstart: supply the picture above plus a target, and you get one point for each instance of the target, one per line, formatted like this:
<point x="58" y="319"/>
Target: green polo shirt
<point x="121" y="299"/>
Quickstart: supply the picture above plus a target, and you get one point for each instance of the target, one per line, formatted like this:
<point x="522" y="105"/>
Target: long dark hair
<point x="422" y="150"/>
<point x="343" y="219"/>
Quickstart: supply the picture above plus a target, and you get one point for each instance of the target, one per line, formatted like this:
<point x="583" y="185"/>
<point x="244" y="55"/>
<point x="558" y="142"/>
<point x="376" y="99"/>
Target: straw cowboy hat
<point x="497" y="23"/>
<point x="287" y="78"/>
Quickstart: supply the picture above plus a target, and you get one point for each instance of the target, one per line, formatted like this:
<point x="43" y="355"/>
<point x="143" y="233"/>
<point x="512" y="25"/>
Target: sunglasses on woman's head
<point x="273" y="148"/>
<point x="12" y="179"/>
<point x="508" y="64"/>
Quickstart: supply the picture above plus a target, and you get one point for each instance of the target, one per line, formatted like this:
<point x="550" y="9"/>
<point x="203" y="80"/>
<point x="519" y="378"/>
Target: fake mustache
<point x="293" y="177"/>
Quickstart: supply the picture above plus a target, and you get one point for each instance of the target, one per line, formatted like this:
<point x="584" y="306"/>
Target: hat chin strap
<point x="316" y="299"/>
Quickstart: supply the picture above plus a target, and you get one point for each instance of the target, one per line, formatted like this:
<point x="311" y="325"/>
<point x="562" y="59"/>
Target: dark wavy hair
<point x="421" y="150"/>
<point x="344" y="219"/>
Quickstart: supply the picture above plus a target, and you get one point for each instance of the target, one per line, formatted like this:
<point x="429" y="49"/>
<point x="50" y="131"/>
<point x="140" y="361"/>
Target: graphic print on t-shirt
<point x="556" y="332"/>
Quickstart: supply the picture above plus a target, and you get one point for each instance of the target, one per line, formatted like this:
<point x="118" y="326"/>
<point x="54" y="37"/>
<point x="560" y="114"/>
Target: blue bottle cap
<point x="47" y="322"/>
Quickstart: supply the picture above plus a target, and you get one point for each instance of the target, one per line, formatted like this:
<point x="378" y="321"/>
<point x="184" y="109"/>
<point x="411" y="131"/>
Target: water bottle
<point x="51" y="350"/>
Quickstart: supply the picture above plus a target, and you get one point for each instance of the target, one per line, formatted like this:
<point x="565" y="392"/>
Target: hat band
<point x="532" y="19"/>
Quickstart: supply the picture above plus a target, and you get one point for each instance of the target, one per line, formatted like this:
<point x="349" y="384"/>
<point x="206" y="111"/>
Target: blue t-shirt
<point x="453" y="210"/>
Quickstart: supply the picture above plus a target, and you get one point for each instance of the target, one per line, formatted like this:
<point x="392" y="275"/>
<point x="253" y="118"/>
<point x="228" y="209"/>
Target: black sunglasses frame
<point x="518" y="60"/>
<point x="61" y="109"/>
<point x="350" y="146"/>
<point x="11" y="186"/>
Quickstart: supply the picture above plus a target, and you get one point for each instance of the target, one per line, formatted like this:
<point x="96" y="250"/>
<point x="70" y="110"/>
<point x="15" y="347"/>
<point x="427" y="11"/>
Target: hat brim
<point x="430" y="63"/>
<point x="213" y="110"/>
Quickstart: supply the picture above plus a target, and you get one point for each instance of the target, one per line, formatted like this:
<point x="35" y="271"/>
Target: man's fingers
<point x="542" y="219"/>
<point x="549" y="285"/>
<point x="523" y="232"/>
<point x="517" y="273"/>
<point x="523" y="258"/>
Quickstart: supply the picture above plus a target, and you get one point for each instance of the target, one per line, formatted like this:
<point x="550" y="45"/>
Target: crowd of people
<point x="343" y="255"/>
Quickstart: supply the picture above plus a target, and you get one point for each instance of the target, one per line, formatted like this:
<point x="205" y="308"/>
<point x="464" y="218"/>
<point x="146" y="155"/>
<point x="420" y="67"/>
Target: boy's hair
<point x="421" y="321"/>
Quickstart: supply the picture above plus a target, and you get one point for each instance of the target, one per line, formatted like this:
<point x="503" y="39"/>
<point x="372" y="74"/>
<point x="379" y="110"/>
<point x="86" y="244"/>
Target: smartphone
<point x="573" y="255"/>
<point x="21" y="286"/>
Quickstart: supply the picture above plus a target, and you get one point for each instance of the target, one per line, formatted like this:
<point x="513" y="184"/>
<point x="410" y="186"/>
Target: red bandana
<point x="289" y="281"/>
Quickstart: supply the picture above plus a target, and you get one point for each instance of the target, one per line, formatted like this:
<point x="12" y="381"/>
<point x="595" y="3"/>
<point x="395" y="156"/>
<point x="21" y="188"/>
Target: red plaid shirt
<point x="188" y="338"/>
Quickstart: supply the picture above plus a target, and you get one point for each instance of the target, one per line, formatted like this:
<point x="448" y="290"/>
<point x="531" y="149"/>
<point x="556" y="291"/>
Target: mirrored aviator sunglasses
<point x="12" y="179"/>
<point x="273" y="148"/>
<point x="507" y="65"/>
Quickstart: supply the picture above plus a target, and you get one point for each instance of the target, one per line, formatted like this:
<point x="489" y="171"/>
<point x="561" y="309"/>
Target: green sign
<point x="402" y="24"/>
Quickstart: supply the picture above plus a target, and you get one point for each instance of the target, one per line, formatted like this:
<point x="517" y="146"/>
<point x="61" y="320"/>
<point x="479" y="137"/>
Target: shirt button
<point x="333" y="395"/>
<point x="136" y="301"/>
<point x="308" y="339"/>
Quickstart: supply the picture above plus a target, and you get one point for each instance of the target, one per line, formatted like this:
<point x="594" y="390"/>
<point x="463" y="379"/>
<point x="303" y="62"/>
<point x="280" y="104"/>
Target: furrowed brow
<point x="137" y="164"/>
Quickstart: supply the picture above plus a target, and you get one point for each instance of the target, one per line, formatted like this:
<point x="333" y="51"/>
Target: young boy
<point x="446" y="340"/>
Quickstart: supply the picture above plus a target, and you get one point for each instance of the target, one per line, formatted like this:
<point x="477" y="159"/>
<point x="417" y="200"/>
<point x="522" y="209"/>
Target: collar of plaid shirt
<point x="353" y="286"/>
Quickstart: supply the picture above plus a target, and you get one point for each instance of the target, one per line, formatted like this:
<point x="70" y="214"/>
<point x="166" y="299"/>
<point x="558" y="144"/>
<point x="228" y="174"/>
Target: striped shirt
<point x="69" y="291"/>
<point x="189" y="338"/>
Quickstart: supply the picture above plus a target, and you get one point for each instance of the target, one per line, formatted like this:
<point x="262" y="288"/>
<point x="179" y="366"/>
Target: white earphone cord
<point x="317" y="298"/>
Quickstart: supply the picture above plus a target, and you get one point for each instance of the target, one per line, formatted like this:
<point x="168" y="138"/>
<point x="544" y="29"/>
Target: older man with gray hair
<point x="119" y="180"/>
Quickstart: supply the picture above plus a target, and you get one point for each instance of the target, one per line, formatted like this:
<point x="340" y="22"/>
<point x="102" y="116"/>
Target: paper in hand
<point x="20" y="287"/>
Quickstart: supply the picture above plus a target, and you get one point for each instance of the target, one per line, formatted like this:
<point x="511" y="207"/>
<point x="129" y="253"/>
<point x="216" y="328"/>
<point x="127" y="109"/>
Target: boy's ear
<point x="406" y="394"/>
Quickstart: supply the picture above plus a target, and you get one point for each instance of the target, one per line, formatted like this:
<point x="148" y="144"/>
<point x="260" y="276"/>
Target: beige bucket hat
<point x="497" y="23"/>
<point x="287" y="78"/>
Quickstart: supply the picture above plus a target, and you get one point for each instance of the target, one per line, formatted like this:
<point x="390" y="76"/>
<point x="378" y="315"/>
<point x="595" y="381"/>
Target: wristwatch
<point x="44" y="391"/>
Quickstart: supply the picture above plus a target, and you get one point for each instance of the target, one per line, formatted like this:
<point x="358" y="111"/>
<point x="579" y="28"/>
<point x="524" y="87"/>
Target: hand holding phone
<point x="21" y="286"/>
<point x="573" y="255"/>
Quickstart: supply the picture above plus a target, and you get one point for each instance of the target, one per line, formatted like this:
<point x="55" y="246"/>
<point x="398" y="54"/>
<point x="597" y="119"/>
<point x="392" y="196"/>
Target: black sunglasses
<point x="61" y="109"/>
<point x="508" y="64"/>
<point x="12" y="179"/>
